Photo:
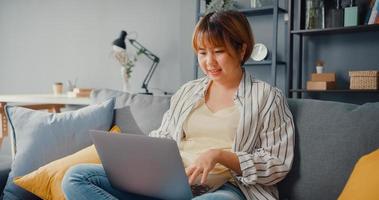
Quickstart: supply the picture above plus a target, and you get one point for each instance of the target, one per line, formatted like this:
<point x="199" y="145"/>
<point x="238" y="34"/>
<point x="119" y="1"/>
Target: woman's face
<point x="217" y="63"/>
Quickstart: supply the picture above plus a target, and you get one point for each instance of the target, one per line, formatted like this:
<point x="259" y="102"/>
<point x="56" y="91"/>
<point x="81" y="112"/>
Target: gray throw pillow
<point x="142" y="114"/>
<point x="101" y="95"/>
<point x="42" y="137"/>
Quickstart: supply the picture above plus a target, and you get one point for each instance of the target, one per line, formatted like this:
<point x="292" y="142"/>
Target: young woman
<point x="229" y="126"/>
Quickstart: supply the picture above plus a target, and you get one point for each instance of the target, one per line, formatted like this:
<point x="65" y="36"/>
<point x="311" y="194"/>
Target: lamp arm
<point x="152" y="57"/>
<point x="143" y="50"/>
<point x="148" y="76"/>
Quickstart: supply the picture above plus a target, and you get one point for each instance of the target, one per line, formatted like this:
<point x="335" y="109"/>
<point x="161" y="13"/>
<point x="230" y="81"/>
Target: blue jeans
<point x="89" y="181"/>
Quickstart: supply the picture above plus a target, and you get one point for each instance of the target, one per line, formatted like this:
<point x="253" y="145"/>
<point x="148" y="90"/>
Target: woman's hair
<point x="225" y="28"/>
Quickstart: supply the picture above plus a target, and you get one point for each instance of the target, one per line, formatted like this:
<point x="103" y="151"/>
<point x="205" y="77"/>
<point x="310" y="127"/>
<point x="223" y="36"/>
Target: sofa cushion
<point x="142" y="114"/>
<point x="135" y="113"/>
<point x="101" y="95"/>
<point x="42" y="137"/>
<point x="330" y="138"/>
<point x="45" y="182"/>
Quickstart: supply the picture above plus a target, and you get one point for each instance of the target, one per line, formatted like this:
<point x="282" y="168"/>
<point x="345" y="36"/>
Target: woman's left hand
<point x="203" y="165"/>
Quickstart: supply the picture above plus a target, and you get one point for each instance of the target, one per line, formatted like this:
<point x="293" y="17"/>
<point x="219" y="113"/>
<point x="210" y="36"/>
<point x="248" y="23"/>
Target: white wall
<point x="46" y="41"/>
<point x="187" y="25"/>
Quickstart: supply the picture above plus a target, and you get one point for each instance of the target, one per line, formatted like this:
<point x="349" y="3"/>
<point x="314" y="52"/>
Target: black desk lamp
<point x="120" y="43"/>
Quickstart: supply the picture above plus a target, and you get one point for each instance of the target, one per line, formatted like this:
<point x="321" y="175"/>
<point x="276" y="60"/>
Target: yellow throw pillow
<point x="115" y="129"/>
<point x="364" y="180"/>
<point x="45" y="182"/>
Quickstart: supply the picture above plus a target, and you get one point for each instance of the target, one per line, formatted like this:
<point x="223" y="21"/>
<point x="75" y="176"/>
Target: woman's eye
<point x="202" y="53"/>
<point x="219" y="51"/>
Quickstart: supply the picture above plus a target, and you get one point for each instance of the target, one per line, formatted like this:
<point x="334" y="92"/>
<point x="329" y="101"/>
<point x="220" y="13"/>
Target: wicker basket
<point x="366" y="80"/>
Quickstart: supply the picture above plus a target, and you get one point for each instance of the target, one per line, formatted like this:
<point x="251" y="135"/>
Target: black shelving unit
<point x="297" y="89"/>
<point x="264" y="62"/>
<point x="335" y="91"/>
<point x="273" y="10"/>
<point x="338" y="30"/>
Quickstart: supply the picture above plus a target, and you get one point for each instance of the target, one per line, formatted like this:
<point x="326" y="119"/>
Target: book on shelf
<point x="322" y="81"/>
<point x="321" y="85"/>
<point x="80" y="92"/>
<point x="374" y="15"/>
<point x="331" y="77"/>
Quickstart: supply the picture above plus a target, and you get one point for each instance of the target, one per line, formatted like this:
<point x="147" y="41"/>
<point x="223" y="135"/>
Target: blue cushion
<point x="42" y="137"/>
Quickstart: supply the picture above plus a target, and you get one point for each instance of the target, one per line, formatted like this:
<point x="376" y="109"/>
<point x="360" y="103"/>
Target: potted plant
<point x="319" y="66"/>
<point x="127" y="65"/>
<point x="220" y="5"/>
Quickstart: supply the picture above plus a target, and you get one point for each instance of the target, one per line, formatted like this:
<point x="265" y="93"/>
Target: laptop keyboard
<point x="198" y="190"/>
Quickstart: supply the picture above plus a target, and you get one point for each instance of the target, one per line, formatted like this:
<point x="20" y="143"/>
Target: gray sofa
<point x="330" y="138"/>
<point x="5" y="162"/>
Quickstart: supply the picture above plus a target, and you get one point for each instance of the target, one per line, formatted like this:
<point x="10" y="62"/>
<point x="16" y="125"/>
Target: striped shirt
<point x="264" y="140"/>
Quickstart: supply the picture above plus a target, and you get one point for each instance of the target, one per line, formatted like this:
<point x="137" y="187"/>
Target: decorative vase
<point x="125" y="80"/>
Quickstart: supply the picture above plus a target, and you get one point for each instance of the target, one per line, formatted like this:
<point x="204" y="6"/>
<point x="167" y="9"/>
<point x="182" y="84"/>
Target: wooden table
<point x="50" y="102"/>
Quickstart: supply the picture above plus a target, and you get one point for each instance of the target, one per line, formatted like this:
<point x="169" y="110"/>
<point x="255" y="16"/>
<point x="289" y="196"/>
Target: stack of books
<point x="80" y="92"/>
<point x="322" y="81"/>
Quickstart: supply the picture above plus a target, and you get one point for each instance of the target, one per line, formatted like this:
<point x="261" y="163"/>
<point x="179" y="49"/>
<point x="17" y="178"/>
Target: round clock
<point x="259" y="52"/>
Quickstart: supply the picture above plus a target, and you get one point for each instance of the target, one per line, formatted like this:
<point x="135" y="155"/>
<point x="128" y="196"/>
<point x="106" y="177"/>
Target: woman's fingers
<point x="194" y="175"/>
<point x="202" y="166"/>
<point x="204" y="177"/>
<point x="190" y="170"/>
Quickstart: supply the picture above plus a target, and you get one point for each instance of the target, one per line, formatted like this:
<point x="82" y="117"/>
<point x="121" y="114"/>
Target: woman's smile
<point x="214" y="72"/>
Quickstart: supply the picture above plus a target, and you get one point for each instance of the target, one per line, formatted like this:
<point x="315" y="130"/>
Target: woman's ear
<point x="243" y="51"/>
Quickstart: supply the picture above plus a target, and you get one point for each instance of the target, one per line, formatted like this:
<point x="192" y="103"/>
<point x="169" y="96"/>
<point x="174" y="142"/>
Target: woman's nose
<point x="211" y="60"/>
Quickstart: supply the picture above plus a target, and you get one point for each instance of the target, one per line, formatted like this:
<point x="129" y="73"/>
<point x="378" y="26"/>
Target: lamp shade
<point x="120" y="41"/>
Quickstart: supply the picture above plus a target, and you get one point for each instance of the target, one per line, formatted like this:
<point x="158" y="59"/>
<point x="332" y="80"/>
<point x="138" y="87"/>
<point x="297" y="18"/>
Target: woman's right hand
<point x="205" y="163"/>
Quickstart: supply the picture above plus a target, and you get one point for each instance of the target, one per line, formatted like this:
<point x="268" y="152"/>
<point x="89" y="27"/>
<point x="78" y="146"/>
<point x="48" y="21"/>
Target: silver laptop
<point x="145" y="165"/>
